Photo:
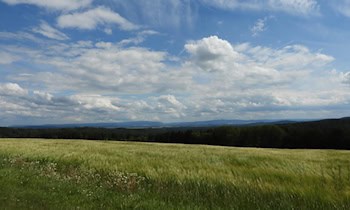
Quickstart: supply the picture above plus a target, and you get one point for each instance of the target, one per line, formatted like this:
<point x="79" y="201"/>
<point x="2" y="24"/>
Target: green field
<point x="72" y="174"/>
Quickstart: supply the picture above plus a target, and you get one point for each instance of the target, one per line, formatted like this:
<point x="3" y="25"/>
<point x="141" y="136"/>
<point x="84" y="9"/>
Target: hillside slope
<point x="118" y="175"/>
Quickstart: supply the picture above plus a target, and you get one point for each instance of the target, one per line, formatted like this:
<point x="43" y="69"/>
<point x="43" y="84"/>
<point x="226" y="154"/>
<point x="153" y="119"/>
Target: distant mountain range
<point x="155" y="124"/>
<point x="291" y="134"/>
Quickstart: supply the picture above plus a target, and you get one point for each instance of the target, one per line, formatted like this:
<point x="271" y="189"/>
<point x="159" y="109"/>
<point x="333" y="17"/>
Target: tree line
<point x="326" y="134"/>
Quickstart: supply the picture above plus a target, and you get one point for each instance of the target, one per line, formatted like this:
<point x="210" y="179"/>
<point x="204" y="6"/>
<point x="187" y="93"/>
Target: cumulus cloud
<point x="48" y="31"/>
<point x="12" y="89"/>
<point x="103" y="81"/>
<point x="53" y="4"/>
<point x="345" y="77"/>
<point x="250" y="79"/>
<point x="211" y="53"/>
<point x="170" y="100"/>
<point x="92" y="18"/>
<point x="20" y="102"/>
<point x="96" y="102"/>
<point x="40" y="106"/>
<point x="170" y="105"/>
<point x="230" y="65"/>
<point x="107" y="67"/>
<point x="294" y="7"/>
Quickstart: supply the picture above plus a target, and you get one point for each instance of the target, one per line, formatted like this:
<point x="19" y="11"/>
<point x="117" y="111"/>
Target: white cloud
<point x="46" y="30"/>
<point x="217" y="79"/>
<point x="259" y="26"/>
<point x="149" y="33"/>
<point x="96" y="102"/>
<point x="91" y="19"/>
<point x="170" y="100"/>
<point x="108" y="31"/>
<point x="107" y="67"/>
<point x="295" y="7"/>
<point x="139" y="38"/>
<point x="12" y="89"/>
<point x="292" y="57"/>
<point x="133" y="40"/>
<point x="245" y="79"/>
<point x="304" y="7"/>
<point x="19" y="36"/>
<point x="7" y="58"/>
<point x="169" y="105"/>
<point x="53" y="4"/>
<point x="345" y="78"/>
<point x="211" y="53"/>
<point x="38" y="105"/>
<point x="342" y="6"/>
<point x="159" y="13"/>
<point x="162" y="107"/>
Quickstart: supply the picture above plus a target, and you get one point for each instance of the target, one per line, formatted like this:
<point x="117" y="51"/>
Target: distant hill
<point x="318" y="134"/>
<point x="132" y="124"/>
<point x="155" y="124"/>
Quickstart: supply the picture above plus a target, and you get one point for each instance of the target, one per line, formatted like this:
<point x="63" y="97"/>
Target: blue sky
<point x="72" y="61"/>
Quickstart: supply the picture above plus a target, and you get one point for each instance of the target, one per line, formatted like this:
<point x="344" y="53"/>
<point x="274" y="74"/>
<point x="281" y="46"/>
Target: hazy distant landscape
<point x="322" y="134"/>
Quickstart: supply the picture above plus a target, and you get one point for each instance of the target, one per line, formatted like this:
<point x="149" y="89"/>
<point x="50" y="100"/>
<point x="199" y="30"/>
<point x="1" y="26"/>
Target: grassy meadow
<point x="77" y="174"/>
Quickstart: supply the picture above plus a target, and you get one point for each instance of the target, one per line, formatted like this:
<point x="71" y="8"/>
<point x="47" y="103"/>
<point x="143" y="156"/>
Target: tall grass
<point x="120" y="175"/>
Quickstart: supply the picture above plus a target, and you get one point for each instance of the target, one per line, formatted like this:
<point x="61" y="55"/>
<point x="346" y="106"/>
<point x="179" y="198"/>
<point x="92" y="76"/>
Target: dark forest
<point x="325" y="134"/>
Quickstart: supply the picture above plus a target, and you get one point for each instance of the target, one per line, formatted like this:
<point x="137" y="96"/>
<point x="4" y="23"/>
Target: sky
<point x="81" y="61"/>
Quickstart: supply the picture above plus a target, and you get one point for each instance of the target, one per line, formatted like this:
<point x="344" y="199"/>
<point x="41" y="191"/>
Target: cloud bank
<point x="213" y="79"/>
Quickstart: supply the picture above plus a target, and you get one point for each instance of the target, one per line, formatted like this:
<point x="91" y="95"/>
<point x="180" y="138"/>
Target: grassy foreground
<point x="71" y="174"/>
